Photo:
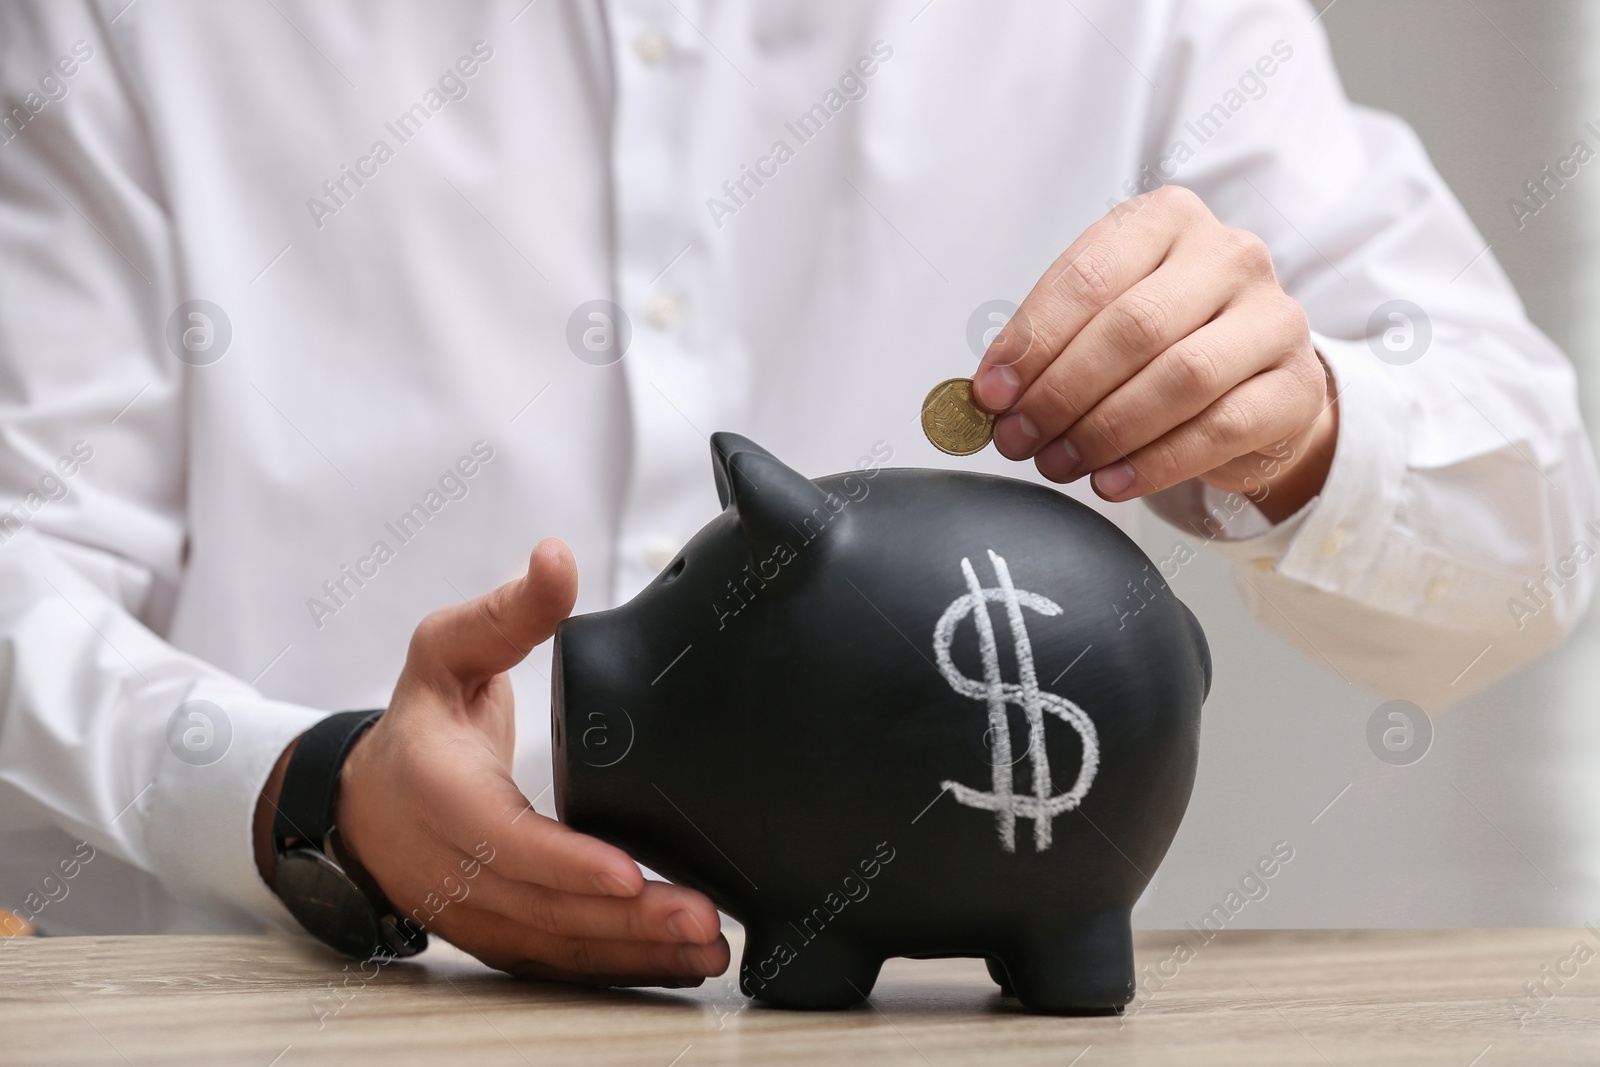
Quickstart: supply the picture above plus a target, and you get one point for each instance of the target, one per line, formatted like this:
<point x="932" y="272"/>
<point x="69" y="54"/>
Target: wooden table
<point x="1268" y="997"/>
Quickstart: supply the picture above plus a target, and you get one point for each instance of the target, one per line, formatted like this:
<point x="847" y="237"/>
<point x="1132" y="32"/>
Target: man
<point x="331" y="313"/>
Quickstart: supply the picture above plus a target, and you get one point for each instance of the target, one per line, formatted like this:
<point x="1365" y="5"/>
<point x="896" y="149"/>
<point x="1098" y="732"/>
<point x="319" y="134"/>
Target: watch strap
<point x="311" y="781"/>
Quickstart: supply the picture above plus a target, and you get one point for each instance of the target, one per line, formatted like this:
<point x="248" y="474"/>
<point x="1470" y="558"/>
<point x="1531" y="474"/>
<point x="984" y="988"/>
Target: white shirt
<point x="402" y="211"/>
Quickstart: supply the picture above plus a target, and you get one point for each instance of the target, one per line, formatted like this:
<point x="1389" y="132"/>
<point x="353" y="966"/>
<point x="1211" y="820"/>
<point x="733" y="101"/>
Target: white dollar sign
<point x="1039" y="805"/>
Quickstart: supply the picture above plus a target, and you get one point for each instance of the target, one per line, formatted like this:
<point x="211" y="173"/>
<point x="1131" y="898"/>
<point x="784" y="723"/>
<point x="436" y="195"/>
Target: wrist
<point x="266" y="850"/>
<point x="312" y="871"/>
<point x="1302" y="479"/>
<point x="347" y="823"/>
<point x="1282" y="479"/>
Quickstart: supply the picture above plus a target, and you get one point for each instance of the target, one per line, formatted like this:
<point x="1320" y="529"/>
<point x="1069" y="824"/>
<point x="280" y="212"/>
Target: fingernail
<point x="997" y="388"/>
<point x="1016" y="435"/>
<point x="1114" y="480"/>
<point x="694" y="960"/>
<point x="1058" y="460"/>
<point x="611" y="885"/>
<point x="683" y="926"/>
<point x="1024" y="425"/>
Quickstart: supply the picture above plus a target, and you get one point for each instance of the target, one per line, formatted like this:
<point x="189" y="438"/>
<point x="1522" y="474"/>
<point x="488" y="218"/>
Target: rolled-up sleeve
<point x="1451" y="541"/>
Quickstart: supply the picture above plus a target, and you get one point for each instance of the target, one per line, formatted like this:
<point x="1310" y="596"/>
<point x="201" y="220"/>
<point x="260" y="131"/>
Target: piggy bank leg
<point x="997" y="971"/>
<point x="1082" y="969"/>
<point x="824" y="973"/>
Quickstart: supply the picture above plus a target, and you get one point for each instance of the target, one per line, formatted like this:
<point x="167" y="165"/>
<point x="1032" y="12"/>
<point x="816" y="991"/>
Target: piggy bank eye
<point x="673" y="571"/>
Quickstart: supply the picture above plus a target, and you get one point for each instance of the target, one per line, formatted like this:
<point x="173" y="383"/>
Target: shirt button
<point x="664" y="311"/>
<point x="1333" y="544"/>
<point x="660" y="552"/>
<point x="1438" y="589"/>
<point x="651" y="47"/>
<point x="1262" y="564"/>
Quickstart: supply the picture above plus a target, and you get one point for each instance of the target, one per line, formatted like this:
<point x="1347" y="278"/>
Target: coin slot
<point x="672" y="572"/>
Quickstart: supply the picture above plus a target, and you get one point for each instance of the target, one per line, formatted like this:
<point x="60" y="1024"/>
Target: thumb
<point x="487" y="635"/>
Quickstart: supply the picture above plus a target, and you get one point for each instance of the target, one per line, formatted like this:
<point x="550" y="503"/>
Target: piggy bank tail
<point x="1201" y="647"/>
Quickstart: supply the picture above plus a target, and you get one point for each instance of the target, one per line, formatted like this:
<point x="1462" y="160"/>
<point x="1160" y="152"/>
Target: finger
<point x="534" y="953"/>
<point x="1108" y="258"/>
<point x="660" y="912"/>
<point x="538" y="972"/>
<point x="492" y="633"/>
<point x="491" y="821"/>
<point x="1263" y="410"/>
<point x="1177" y="385"/>
<point x="1182" y="295"/>
<point x="675" y="967"/>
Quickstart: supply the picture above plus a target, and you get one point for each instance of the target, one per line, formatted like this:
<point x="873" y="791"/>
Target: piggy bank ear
<point x="776" y="504"/>
<point x="724" y="445"/>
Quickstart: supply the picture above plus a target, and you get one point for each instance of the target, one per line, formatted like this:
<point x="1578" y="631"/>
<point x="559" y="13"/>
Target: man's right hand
<point x="427" y="794"/>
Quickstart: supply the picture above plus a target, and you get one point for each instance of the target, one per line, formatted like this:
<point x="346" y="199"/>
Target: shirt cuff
<point x="200" y="815"/>
<point x="1334" y="540"/>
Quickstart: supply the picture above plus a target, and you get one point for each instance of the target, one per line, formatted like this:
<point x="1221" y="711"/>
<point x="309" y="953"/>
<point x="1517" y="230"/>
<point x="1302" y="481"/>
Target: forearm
<point x="117" y="738"/>
<point x="1429" y="530"/>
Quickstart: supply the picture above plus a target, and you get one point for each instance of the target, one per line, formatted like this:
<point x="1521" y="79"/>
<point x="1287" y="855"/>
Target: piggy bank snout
<point x="573" y="680"/>
<point x="591" y="718"/>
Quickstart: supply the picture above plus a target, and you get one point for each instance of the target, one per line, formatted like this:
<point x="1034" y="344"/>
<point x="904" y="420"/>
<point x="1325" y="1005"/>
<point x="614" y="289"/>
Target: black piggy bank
<point x="893" y="713"/>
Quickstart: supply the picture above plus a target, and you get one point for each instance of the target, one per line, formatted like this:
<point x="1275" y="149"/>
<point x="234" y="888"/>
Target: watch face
<point x="328" y="904"/>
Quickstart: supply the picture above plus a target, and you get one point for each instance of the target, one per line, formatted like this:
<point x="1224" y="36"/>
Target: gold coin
<point x="14" y="925"/>
<point x="952" y="420"/>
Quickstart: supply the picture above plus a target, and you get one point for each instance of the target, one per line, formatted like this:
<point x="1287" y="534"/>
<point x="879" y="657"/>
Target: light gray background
<point x="1500" y="823"/>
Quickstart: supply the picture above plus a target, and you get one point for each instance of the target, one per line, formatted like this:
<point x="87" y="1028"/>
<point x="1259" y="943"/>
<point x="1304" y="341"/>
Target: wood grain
<point x="1246" y="997"/>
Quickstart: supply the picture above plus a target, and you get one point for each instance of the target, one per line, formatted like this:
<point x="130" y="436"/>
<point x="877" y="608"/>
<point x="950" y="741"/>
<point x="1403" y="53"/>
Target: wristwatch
<point x="335" y="901"/>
